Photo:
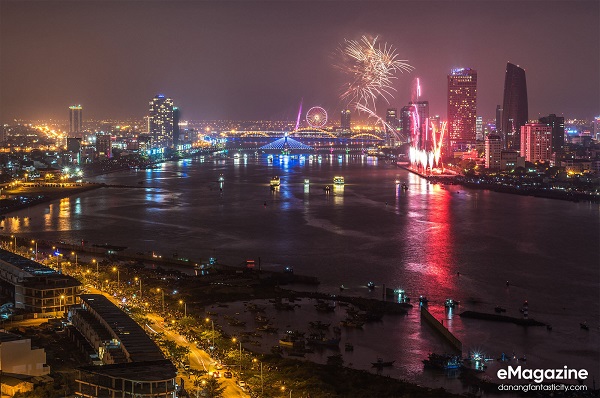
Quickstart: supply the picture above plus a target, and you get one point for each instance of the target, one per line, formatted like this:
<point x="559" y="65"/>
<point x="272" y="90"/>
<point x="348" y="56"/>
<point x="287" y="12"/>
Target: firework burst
<point x="371" y="67"/>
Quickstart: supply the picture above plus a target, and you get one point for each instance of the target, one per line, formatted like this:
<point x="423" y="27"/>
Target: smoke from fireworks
<point x="372" y="68"/>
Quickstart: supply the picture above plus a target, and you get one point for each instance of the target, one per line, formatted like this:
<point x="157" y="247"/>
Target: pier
<point x="441" y="329"/>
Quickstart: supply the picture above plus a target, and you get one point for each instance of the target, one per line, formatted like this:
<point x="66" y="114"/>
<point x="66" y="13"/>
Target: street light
<point x="234" y="340"/>
<point x="36" y="256"/>
<point x="139" y="279"/>
<point x="15" y="243"/>
<point x="158" y="289"/>
<point x="72" y="253"/>
<point x="184" y="308"/>
<point x="62" y="297"/>
<point x="213" y="331"/>
<point x="262" y="385"/>
<point x="97" y="272"/>
<point x="115" y="269"/>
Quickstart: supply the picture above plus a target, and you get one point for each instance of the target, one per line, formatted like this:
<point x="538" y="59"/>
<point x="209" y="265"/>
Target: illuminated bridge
<point x="303" y="140"/>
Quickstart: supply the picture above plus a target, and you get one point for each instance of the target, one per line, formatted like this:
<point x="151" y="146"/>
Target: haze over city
<point x="256" y="60"/>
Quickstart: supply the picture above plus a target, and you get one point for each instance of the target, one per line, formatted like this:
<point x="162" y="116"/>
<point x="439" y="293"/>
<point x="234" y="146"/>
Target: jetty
<point x="501" y="318"/>
<point x="441" y="329"/>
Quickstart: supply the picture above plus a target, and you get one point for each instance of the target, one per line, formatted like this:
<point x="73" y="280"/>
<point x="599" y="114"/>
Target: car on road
<point x="241" y="383"/>
<point x="216" y="375"/>
<point x="219" y="366"/>
<point x="228" y="375"/>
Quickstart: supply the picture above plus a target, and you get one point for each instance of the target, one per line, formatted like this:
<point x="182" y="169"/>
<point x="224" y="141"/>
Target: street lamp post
<point x="240" y="341"/>
<point x="15" y="243"/>
<point x="62" y="297"/>
<point x="213" y="331"/>
<point x="115" y="269"/>
<point x="163" y="298"/>
<point x="184" y="308"/>
<point x="140" y="280"/>
<point x="97" y="272"/>
<point x="72" y="253"/>
<point x="36" y="249"/>
<point x="262" y="385"/>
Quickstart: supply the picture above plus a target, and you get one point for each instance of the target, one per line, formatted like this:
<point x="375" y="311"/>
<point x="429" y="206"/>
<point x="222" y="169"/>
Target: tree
<point x="213" y="388"/>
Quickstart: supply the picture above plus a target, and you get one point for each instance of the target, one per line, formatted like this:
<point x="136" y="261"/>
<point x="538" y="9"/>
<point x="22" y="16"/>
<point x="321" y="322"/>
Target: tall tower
<point x="557" y="124"/>
<point x="345" y="122"/>
<point x="75" y="121"/>
<point x="391" y="118"/>
<point x="462" y="107"/>
<point x="514" y="106"/>
<point x="160" y="121"/>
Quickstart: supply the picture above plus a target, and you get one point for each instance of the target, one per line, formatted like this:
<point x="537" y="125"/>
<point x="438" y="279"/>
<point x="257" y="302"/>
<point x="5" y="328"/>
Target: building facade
<point x="134" y="366"/>
<point x="161" y="122"/>
<point x="75" y="119"/>
<point x="493" y="148"/>
<point x="19" y="357"/>
<point x="536" y="142"/>
<point x="514" y="106"/>
<point x="557" y="124"/>
<point x="345" y="120"/>
<point x="462" y="107"/>
<point x="34" y="287"/>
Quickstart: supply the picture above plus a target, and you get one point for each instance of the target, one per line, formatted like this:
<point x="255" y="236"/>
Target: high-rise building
<point x="405" y="122"/>
<point x="75" y="119"/>
<point x="345" y="120"/>
<point x="557" y="123"/>
<point x="514" y="106"/>
<point x="597" y="128"/>
<point x="479" y="128"/>
<point x="160" y="121"/>
<point x="104" y="146"/>
<point x="536" y="142"/>
<point x="462" y="107"/>
<point x="499" y="114"/>
<point x="391" y="119"/>
<point x="493" y="148"/>
<point x="176" y="116"/>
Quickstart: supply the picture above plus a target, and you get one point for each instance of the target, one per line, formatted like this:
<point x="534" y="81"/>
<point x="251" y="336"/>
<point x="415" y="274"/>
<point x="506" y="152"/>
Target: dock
<point x="441" y="329"/>
<point x="501" y="318"/>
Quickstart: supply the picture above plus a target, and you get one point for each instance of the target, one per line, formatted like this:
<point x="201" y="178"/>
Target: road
<point x="199" y="359"/>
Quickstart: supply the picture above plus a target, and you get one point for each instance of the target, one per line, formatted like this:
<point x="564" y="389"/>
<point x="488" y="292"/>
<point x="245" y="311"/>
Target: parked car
<point x="228" y="375"/>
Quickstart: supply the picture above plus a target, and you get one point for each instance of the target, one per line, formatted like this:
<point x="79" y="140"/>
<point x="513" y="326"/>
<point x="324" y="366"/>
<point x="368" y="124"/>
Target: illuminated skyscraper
<point x="391" y="118"/>
<point x="160" y="121"/>
<point x="536" y="142"/>
<point x="479" y="128"/>
<point x="514" y="107"/>
<point x="404" y="122"/>
<point x="345" y="120"/>
<point x="462" y="107"/>
<point x="103" y="146"/>
<point x="499" y="112"/>
<point x="75" y="119"/>
<point x="557" y="124"/>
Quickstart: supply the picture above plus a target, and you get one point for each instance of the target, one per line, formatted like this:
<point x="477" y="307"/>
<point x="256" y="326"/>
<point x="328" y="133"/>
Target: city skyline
<point x="257" y="60"/>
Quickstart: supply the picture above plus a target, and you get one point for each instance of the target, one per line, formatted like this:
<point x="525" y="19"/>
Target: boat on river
<point x="338" y="180"/>
<point x="382" y="364"/>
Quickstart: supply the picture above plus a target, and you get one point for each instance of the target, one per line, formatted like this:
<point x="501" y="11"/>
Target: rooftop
<point x="161" y="370"/>
<point x="133" y="338"/>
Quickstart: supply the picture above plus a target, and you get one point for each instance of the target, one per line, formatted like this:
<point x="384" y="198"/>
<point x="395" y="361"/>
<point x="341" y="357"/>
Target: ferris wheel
<point x="316" y="117"/>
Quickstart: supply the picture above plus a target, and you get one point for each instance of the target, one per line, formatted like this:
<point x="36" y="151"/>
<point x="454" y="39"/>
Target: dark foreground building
<point x="133" y="365"/>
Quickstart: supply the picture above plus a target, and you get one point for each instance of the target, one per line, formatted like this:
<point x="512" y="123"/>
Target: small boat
<point x="382" y="364"/>
<point x="584" y="326"/>
<point x="338" y="180"/>
<point x="327" y="188"/>
<point x="342" y="287"/>
<point x="221" y="178"/>
<point x="423" y="300"/>
<point x="499" y="309"/>
<point x="404" y="186"/>
<point x="450" y="303"/>
<point x="306" y="181"/>
<point x="442" y="361"/>
<point x="370" y="285"/>
<point x="348" y="347"/>
<point x="275" y="182"/>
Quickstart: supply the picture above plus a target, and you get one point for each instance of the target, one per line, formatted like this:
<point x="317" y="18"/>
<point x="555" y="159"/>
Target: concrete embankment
<point x="441" y="329"/>
<point x="501" y="318"/>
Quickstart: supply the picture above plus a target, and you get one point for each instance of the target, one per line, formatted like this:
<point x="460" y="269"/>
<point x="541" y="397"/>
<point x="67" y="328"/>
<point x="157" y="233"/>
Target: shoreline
<point x="48" y="196"/>
<point x="538" y="193"/>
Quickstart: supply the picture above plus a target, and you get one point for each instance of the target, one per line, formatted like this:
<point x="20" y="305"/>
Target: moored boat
<point x="382" y="364"/>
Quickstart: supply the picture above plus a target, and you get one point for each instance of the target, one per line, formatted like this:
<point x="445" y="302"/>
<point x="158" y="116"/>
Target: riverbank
<point x="26" y="196"/>
<point x="516" y="187"/>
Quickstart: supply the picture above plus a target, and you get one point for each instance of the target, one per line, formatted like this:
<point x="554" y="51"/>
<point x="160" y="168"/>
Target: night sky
<point x="256" y="60"/>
